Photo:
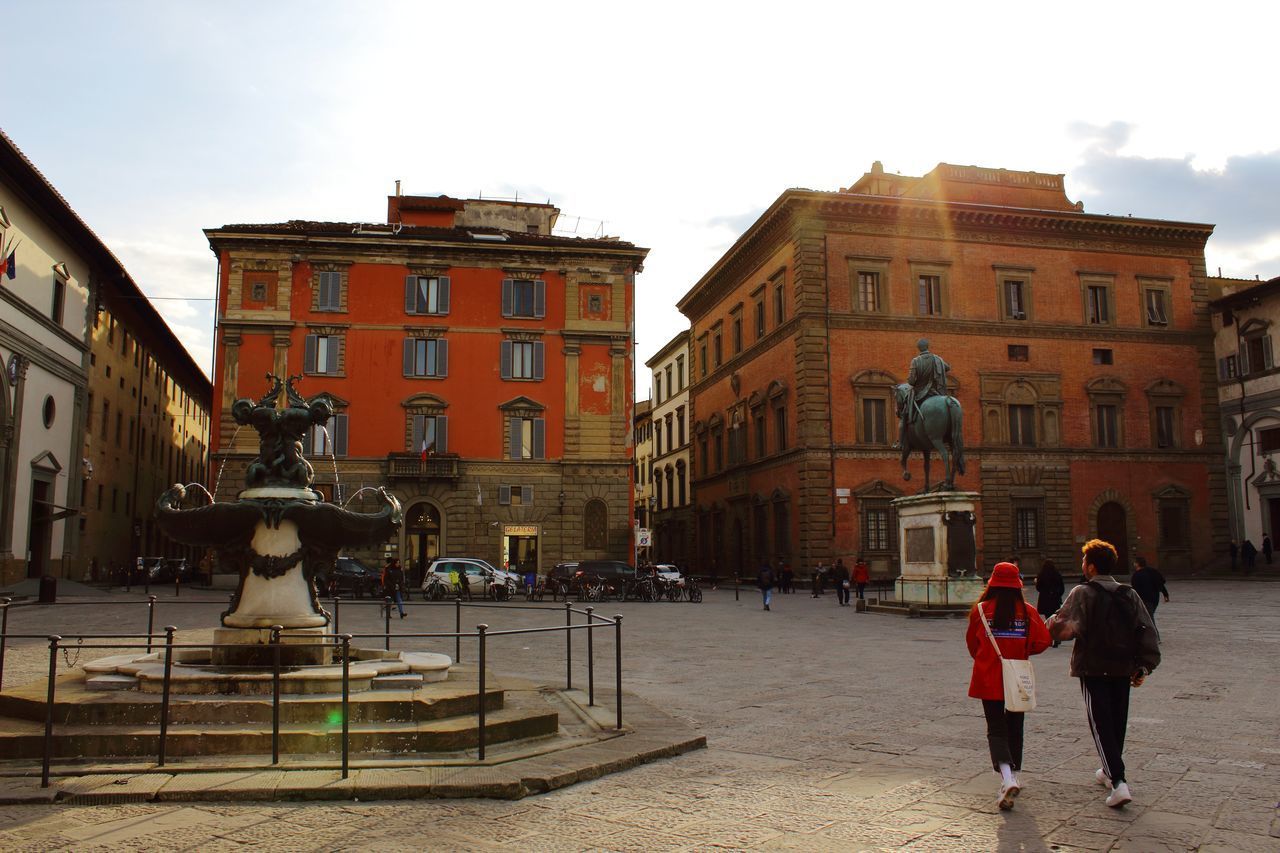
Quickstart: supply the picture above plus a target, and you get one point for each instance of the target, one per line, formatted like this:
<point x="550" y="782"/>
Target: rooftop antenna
<point x="397" y="187"/>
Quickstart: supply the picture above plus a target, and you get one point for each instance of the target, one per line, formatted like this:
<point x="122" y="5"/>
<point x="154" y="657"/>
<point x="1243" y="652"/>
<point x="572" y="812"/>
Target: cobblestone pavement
<point x="827" y="729"/>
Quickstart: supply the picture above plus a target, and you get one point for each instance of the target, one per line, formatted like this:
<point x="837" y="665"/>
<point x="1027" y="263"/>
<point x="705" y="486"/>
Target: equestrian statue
<point x="930" y="419"/>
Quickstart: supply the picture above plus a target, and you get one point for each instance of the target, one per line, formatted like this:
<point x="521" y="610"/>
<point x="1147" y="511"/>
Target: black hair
<point x="1007" y="600"/>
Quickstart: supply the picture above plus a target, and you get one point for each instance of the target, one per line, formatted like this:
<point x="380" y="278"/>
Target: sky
<point x="669" y="125"/>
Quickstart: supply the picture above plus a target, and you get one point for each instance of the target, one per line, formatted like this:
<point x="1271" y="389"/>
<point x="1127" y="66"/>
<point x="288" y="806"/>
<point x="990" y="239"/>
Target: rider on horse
<point x="927" y="378"/>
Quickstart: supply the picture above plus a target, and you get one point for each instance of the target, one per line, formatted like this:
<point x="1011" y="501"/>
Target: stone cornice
<point x="45" y="323"/>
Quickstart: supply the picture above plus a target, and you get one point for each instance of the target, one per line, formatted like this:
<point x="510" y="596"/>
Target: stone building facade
<point x="672" y="439"/>
<point x="642" y="440"/>
<point x="478" y="365"/>
<point x="1244" y="323"/>
<point x="1081" y="352"/>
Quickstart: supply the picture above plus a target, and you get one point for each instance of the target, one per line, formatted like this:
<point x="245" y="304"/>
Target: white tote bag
<point x="1019" y="676"/>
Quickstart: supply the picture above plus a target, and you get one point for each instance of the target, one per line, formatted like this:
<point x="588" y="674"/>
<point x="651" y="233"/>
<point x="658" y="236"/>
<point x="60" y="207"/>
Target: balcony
<point x="413" y="466"/>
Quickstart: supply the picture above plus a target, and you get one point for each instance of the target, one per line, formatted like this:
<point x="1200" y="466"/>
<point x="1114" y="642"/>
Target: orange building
<point x="478" y="365"/>
<point x="1080" y="349"/>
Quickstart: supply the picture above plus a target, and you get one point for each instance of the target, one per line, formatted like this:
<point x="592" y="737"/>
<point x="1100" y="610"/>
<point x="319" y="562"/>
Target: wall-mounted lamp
<point x="562" y="500"/>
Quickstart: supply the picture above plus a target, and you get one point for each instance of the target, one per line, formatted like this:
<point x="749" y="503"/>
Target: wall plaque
<point x="920" y="545"/>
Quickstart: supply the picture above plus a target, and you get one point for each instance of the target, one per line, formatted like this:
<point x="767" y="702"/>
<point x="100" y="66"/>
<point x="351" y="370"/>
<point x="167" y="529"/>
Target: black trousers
<point x="842" y="593"/>
<point x="1004" y="734"/>
<point x="1106" y="704"/>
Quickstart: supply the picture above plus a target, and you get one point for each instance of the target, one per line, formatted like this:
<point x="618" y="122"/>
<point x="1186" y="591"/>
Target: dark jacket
<point x="1148" y="583"/>
<point x="1050" y="586"/>
<point x="765" y="579"/>
<point x="1075" y="616"/>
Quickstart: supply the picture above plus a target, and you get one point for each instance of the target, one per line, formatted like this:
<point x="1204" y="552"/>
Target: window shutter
<point x="506" y="297"/>
<point x="410" y="294"/>
<point x="442" y="357"/>
<point x="526" y="495"/>
<point x="340" y="435"/>
<point x="408" y="356"/>
<point x="1222" y="368"/>
<point x="514" y="431"/>
<point x="537" y="359"/>
<point x="1266" y="352"/>
<point x="539" y="428"/>
<point x="309" y="355"/>
<point x="331" y="354"/>
<point x="539" y="298"/>
<point x="506" y="360"/>
<point x="442" y="434"/>
<point x="418" y="427"/>
<point x="504" y="494"/>
<point x="322" y="296"/>
<point x="442" y="295"/>
<point x="1242" y="361"/>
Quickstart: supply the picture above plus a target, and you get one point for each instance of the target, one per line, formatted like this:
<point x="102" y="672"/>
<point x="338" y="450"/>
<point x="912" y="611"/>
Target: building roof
<point x="463" y="234"/>
<point x="1248" y="296"/>
<point x="681" y="338"/>
<point x="109" y="276"/>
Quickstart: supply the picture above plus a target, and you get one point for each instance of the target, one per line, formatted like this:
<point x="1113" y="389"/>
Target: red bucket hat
<point x="1005" y="574"/>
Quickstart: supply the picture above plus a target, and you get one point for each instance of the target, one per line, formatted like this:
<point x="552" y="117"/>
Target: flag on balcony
<point x="426" y="448"/>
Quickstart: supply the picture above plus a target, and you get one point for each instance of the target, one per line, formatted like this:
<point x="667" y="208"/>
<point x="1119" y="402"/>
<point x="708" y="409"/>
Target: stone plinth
<point x="298" y="647"/>
<point x="283" y="600"/>
<point x="937" y="549"/>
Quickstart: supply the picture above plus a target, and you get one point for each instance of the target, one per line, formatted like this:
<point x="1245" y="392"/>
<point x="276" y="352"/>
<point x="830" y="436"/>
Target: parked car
<point x="670" y="573"/>
<point x="351" y="576"/>
<point x="483" y="580"/>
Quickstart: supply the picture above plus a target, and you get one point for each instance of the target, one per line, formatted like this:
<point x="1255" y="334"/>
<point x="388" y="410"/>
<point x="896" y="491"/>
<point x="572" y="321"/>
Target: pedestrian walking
<point x="819" y="578"/>
<point x="788" y="582"/>
<point x="393" y="584"/>
<point x="1250" y="555"/>
<point x="1001" y="618"/>
<point x="1266" y="548"/>
<point x="764" y="580"/>
<point x="1117" y="647"/>
<point x="861" y="577"/>
<point x="840" y="580"/>
<point x="1050" y="586"/>
<point x="1148" y="583"/>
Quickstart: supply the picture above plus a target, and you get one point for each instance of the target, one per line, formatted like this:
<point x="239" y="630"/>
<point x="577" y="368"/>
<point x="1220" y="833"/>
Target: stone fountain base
<point x="298" y="647"/>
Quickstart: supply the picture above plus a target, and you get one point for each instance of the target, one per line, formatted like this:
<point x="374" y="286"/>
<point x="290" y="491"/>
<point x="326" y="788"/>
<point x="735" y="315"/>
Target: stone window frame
<point x="759" y="317"/>
<point x="778" y="287"/>
<point x="998" y="390"/>
<point x="1155" y="284"/>
<point x="736" y="420"/>
<point x="940" y="269"/>
<point x="525" y="409"/>
<point x="717" y="344"/>
<point x="867" y="385"/>
<point x="1105" y="281"/>
<point x="1256" y="330"/>
<point x="537" y="355"/>
<point x="1003" y="275"/>
<point x="877" y="266"/>
<point x="682" y="482"/>
<point x="1172" y="497"/>
<point x="702" y="354"/>
<point x="416" y="333"/>
<point x="338" y="433"/>
<point x="715" y="426"/>
<point x="655" y="478"/>
<point x="877" y="496"/>
<point x="343" y="269"/>
<point x="700" y="432"/>
<point x="1165" y="393"/>
<point x="738" y="339"/>
<point x="1025" y="503"/>
<point x="777" y="394"/>
<point x="310" y="356"/>
<point x="1106" y="391"/>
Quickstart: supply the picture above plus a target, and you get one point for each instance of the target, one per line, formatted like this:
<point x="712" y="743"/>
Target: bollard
<point x="568" y="647"/>
<point x="48" y="711"/>
<point x="151" y="620"/>
<point x="177" y="585"/>
<point x="387" y="622"/>
<point x="737" y="582"/>
<point x="346" y="700"/>
<point x="337" y="606"/>
<point x="275" y="693"/>
<point x="164" y="697"/>
<point x="617" y="624"/>
<point x="457" y="629"/>
<point x="480" y="629"/>
<point x="4" y="632"/>
<point x="591" y="660"/>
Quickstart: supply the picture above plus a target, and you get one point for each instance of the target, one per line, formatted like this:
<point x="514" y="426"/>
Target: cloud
<point x="736" y="222"/>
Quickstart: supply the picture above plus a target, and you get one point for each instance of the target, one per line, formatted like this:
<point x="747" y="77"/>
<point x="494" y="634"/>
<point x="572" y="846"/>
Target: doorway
<point x="40" y="533"/>
<point x="422" y="540"/>
<point x="1113" y="527"/>
<point x="520" y="548"/>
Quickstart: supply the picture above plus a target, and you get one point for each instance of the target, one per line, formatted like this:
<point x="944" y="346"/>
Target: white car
<point x="480" y="576"/>
<point x="668" y="572"/>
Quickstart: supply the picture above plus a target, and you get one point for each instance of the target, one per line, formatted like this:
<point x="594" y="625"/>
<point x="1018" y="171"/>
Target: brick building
<point x="1080" y="346"/>
<point x="479" y="366"/>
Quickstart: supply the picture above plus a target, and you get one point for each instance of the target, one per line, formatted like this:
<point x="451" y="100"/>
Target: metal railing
<point x="278" y="634"/>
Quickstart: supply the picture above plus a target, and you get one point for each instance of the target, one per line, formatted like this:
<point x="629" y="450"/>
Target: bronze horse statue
<point x="937" y="426"/>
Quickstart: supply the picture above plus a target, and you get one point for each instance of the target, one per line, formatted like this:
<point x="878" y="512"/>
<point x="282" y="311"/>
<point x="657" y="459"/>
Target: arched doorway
<point x="422" y="540"/>
<point x="1113" y="527"/>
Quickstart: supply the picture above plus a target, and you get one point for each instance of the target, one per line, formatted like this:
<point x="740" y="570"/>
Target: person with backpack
<point x="1117" y="647"/>
<point x="1001" y="619"/>
<point x="764" y="580"/>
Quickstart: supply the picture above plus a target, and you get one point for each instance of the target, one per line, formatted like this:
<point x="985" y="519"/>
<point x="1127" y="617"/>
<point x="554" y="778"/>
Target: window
<point x="874" y="430"/>
<point x="737" y="333"/>
<point x="929" y="293"/>
<point x="1165" y="426"/>
<point x="526" y="437"/>
<point x="1096" y="304"/>
<point x="1026" y="528"/>
<point x="657" y="489"/>
<point x="780" y="427"/>
<point x="1102" y="356"/>
<point x="426" y="294"/>
<point x="119" y="429"/>
<point x="1255" y="355"/>
<point x="59" y="300"/>
<point x="718" y="439"/>
<point x="1157" y="307"/>
<point x="328" y="440"/>
<point x="426" y="357"/>
<point x="702" y="354"/>
<point x="658" y="441"/>
<point x="1019" y="352"/>
<point x="1015" y="299"/>
<point x="1173" y="509"/>
<point x="329" y="291"/>
<point x="680" y="426"/>
<point x="670" y="444"/>
<point x="1227" y="368"/>
<point x="779" y="304"/>
<point x="1022" y="425"/>
<point x="522" y="360"/>
<point x="680" y="484"/>
<point x="680" y="375"/>
<point x="1269" y="440"/>
<point x="762" y="445"/>
<point x="671" y="489"/>
<point x="512" y="495"/>
<point x="1013" y="290"/>
<point x="702" y="454"/>
<point x="1107" y="426"/>
<point x="868" y="291"/>
<point x="759" y="318"/>
<point x="671" y="388"/>
<point x="1164" y="402"/>
<point x="321" y="354"/>
<point x="523" y="298"/>
<point x="715" y="348"/>
<point x="878" y="526"/>
<point x="430" y="435"/>
<point x="657" y="388"/>
<point x="595" y="525"/>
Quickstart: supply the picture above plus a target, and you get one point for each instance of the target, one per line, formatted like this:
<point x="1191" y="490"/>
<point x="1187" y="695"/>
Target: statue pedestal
<point x="284" y="600"/>
<point x="298" y="647"/>
<point x="937" y="549"/>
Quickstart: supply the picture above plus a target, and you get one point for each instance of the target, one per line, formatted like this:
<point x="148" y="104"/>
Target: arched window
<point x="595" y="525"/>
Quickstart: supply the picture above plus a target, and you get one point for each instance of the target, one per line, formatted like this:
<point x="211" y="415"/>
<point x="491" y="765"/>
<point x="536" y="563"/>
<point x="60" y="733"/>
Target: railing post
<point x="480" y="629"/>
<point x="337" y="609"/>
<point x="346" y="700"/>
<point x="48" y="711"/>
<point x="737" y="582"/>
<point x="617" y="642"/>
<point x="275" y="693"/>
<point x="386" y="600"/>
<point x="151" y="619"/>
<point x="164" y="697"/>
<point x="591" y="660"/>
<point x="4" y="634"/>
<point x="457" y="628"/>
<point x="568" y="647"/>
<point x="177" y="585"/>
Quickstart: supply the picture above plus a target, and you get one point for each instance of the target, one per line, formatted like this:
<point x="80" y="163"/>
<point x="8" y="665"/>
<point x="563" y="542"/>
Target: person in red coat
<point x="1020" y="633"/>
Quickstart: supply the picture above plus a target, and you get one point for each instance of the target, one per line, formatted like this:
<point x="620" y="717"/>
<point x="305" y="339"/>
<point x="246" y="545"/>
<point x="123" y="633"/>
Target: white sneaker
<point x="1103" y="779"/>
<point x="1119" y="796"/>
<point x="1008" y="793"/>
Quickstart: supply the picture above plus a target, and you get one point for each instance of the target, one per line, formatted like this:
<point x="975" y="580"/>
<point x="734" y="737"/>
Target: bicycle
<point x="435" y="589"/>
<point x="694" y="591"/>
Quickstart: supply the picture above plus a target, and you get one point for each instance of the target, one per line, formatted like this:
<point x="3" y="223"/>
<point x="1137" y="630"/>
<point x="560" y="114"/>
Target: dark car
<point x="349" y="575"/>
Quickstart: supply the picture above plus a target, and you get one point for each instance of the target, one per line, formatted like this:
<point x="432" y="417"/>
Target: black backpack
<point x="1113" y="637"/>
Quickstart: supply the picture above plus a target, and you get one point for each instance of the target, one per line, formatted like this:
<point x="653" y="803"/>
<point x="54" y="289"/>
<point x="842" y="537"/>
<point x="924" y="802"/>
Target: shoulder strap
<point x="990" y="636"/>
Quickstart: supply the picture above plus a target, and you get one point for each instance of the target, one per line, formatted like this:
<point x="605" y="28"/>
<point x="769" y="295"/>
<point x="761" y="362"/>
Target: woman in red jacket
<point x="1020" y="633"/>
